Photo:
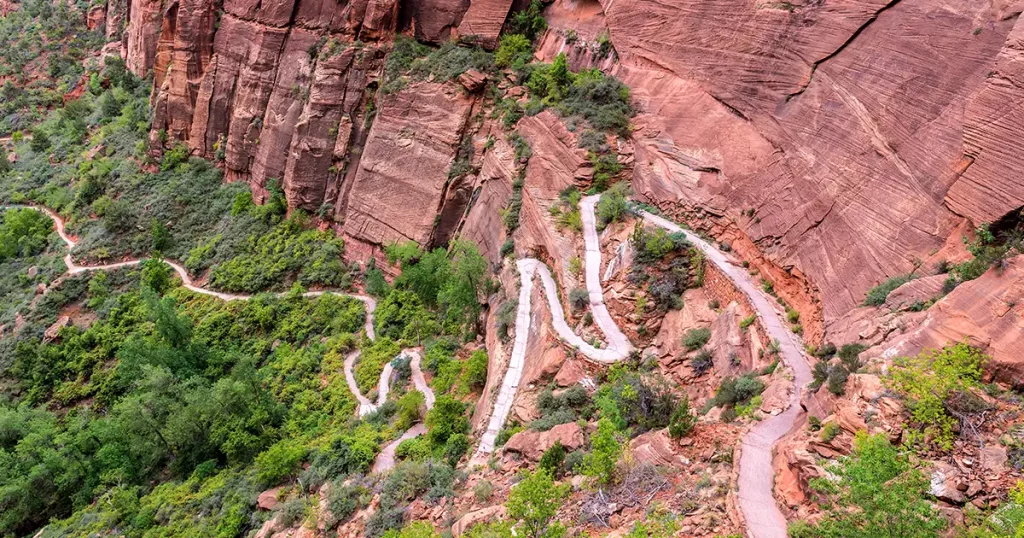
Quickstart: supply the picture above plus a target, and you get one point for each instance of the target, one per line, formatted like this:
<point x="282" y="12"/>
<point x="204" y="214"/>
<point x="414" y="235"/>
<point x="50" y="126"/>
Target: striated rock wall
<point x="399" y="189"/>
<point x="842" y="126"/>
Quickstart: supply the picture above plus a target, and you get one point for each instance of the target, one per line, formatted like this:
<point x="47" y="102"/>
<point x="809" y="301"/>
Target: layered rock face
<point x="838" y="137"/>
<point x="401" y="182"/>
<point x="284" y="92"/>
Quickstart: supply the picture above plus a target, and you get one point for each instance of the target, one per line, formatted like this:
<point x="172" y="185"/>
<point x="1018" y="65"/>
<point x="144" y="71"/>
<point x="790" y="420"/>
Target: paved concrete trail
<point x="756" y="477"/>
<point x="756" y="481"/>
<point x="386" y="459"/>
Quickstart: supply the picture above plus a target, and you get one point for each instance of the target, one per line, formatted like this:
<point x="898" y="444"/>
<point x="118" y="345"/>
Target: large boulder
<point x="483" y="515"/>
<point x="531" y="444"/>
<point x="656" y="448"/>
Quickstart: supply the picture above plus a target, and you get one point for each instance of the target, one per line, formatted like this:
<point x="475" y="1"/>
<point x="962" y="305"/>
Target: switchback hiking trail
<point x="756" y="480"/>
<point x="385" y="459"/>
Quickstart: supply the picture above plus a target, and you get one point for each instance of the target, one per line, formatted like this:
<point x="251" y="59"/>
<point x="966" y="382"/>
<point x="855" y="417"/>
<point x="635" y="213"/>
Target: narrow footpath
<point x="386" y="459"/>
<point x="756" y="480"/>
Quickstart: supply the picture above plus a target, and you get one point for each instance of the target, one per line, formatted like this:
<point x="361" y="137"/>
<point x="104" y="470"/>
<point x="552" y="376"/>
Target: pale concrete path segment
<point x="386" y="459"/>
<point x="756" y="476"/>
<point x="619" y="346"/>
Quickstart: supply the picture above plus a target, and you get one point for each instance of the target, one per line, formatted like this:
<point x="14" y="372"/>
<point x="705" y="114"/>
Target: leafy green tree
<point x="514" y="51"/>
<point x="552" y="458"/>
<point x="533" y="503"/>
<point x="459" y="296"/>
<point x="605" y="450"/>
<point x="5" y="162"/>
<point x="683" y="420"/>
<point x="279" y="461"/>
<point x="161" y="236"/>
<point x="876" y="491"/>
<point x="156" y="275"/>
<point x="23" y="232"/>
<point x="529" y="22"/>
<point x="933" y="383"/>
<point x="447" y="418"/>
<point x="476" y="369"/>
<point x="613" y="204"/>
<point x="409" y="409"/>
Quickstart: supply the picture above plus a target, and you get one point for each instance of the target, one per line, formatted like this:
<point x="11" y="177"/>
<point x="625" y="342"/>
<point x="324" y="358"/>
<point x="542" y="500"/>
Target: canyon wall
<point x="284" y="93"/>
<point x="846" y="140"/>
<point x="833" y="144"/>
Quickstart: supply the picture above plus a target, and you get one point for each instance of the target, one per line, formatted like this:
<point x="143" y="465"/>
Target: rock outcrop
<point x="402" y="180"/>
<point x="988" y="312"/>
<point x="531" y="445"/>
<point x="813" y="127"/>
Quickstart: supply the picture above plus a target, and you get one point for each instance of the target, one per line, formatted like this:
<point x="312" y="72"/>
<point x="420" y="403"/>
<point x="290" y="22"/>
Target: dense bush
<point x="682" y="421"/>
<point x="23" y="232"/>
<point x="702" y="362"/>
<point x="737" y="391"/>
<point x="630" y="400"/>
<point x="876" y="491"/>
<point x="446" y="419"/>
<point x="877" y="295"/>
<point x="476" y="369"/>
<point x="613" y="205"/>
<point x="601" y="100"/>
<point x="696" y="338"/>
<point x="933" y="383"/>
<point x="567" y="406"/>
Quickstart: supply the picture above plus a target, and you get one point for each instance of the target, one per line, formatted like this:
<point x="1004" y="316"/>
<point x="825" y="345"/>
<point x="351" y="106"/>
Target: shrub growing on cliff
<point x="514" y="52"/>
<point x="877" y="295"/>
<point x="533" y="503"/>
<point x="737" y="391"/>
<point x="613" y="204"/>
<point x="876" y="491"/>
<point x="605" y="450"/>
<point x="696" y="338"/>
<point x="933" y="383"/>
<point x="682" y="421"/>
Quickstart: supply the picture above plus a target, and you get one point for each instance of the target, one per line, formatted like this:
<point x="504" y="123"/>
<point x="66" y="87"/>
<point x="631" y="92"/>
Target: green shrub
<point x="933" y="383"/>
<point x="552" y="459"/>
<point x="696" y="338"/>
<point x="876" y="491"/>
<point x="533" y="504"/>
<point x="23" y="232"/>
<point x="702" y="362"/>
<point x="830" y="431"/>
<point x="342" y="501"/>
<point x="613" y="205"/>
<point x="514" y="51"/>
<point x="409" y="409"/>
<point x="529" y="22"/>
<point x="447" y="418"/>
<point x="638" y="402"/>
<point x="736" y="391"/>
<point x="483" y="490"/>
<point x="605" y="450"/>
<point x="415" y="449"/>
<point x="579" y="298"/>
<point x="476" y="370"/>
<point x="877" y="295"/>
<point x="278" y="462"/>
<point x="682" y="421"/>
<point x="455" y="448"/>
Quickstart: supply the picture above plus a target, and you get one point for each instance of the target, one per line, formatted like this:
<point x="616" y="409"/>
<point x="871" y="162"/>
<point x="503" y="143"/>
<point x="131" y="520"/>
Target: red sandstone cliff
<point x="833" y="144"/>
